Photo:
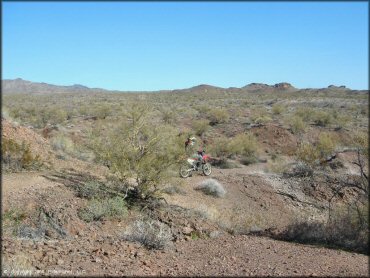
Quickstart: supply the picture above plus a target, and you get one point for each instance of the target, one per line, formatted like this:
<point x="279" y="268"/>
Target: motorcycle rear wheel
<point x="207" y="169"/>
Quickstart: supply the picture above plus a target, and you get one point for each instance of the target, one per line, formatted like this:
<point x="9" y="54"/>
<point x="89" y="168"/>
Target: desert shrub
<point x="322" y="118"/>
<point x="260" y="115"/>
<point x="341" y="231"/>
<point x="200" y="126"/>
<point x="277" y="165"/>
<point x="312" y="154"/>
<point x="12" y="219"/>
<point x="308" y="154"/>
<point x="326" y="145"/>
<point x="305" y="113"/>
<point x="18" y="157"/>
<point x="56" y="116"/>
<point x="244" y="144"/>
<point x="301" y="169"/>
<point x="277" y="109"/>
<point x="171" y="190"/>
<point x="218" y="116"/>
<point x="102" y="111"/>
<point x="109" y="208"/>
<point x="168" y="116"/>
<point x="211" y="187"/>
<point x="262" y="119"/>
<point x="220" y="147"/>
<point x="90" y="190"/>
<point x="203" y="109"/>
<point x="62" y="143"/>
<point x="360" y="140"/>
<point x="342" y="121"/>
<point x="136" y="150"/>
<point x="297" y="125"/>
<point x="248" y="160"/>
<point x="153" y="234"/>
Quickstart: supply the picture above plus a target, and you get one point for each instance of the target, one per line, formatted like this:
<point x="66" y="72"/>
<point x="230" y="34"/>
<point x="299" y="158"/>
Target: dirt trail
<point x="17" y="188"/>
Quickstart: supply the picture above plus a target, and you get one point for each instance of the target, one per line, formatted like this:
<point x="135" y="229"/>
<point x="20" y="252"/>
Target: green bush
<point x="312" y="155"/>
<point x="56" y="116"/>
<point x="168" y="116"/>
<point x="308" y="154"/>
<point x="99" y="209"/>
<point x="220" y="147"/>
<point x="277" y="109"/>
<point x="135" y="150"/>
<point x="102" y="111"/>
<point x="218" y="116"/>
<point x="326" y="145"/>
<point x="322" y="118"/>
<point x="260" y="115"/>
<point x="305" y="113"/>
<point x="244" y="144"/>
<point x="200" y="126"/>
<point x="297" y="125"/>
<point x="17" y="157"/>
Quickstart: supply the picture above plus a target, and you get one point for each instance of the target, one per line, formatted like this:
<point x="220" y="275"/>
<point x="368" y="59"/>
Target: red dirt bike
<point x="193" y="164"/>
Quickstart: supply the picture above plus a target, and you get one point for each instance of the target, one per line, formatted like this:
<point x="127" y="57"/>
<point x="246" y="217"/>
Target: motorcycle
<point x="193" y="164"/>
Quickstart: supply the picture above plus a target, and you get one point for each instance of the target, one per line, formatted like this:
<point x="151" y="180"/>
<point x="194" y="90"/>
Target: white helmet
<point x="192" y="140"/>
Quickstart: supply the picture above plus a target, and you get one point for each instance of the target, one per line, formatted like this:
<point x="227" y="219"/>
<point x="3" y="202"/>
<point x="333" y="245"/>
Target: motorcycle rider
<point x="189" y="142"/>
<point x="199" y="157"/>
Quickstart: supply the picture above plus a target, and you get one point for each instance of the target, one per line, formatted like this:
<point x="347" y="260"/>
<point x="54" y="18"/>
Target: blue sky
<point x="168" y="45"/>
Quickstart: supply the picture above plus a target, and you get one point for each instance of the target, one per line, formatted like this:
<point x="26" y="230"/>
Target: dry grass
<point x="212" y="187"/>
<point x="151" y="233"/>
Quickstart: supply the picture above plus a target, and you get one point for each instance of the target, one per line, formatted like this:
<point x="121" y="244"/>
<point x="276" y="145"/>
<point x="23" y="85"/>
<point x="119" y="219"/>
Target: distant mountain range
<point x="11" y="86"/>
<point x="23" y="86"/>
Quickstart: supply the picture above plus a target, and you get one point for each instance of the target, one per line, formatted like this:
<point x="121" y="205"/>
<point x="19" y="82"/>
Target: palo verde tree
<point x="139" y="150"/>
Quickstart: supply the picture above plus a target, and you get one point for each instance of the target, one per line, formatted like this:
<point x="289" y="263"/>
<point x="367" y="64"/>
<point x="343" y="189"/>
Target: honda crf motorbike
<point x="195" y="164"/>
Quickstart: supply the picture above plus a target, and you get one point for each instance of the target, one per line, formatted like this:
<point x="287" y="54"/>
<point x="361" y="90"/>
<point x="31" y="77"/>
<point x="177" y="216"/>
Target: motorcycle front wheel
<point x="207" y="169"/>
<point x="185" y="171"/>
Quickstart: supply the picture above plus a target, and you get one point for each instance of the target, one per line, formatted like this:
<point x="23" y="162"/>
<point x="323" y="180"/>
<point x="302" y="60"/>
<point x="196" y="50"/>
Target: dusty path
<point x="17" y="188"/>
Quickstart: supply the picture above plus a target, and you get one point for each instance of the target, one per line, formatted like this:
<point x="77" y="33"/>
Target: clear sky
<point x="168" y="45"/>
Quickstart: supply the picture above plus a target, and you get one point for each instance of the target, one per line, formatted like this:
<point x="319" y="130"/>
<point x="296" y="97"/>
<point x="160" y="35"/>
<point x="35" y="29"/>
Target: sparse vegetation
<point x="244" y="144"/>
<point x="151" y="233"/>
<point x="212" y="187"/>
<point x="17" y="157"/>
<point x="109" y="208"/>
<point x="322" y="118"/>
<point x="277" y="109"/>
<point x="218" y="116"/>
<point x="297" y="125"/>
<point x="341" y="231"/>
<point x="139" y="139"/>
<point x="200" y="126"/>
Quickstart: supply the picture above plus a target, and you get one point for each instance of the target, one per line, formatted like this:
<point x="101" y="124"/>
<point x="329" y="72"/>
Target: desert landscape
<point x="91" y="184"/>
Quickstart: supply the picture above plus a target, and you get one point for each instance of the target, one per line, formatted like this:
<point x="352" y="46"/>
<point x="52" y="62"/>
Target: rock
<point x="187" y="230"/>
